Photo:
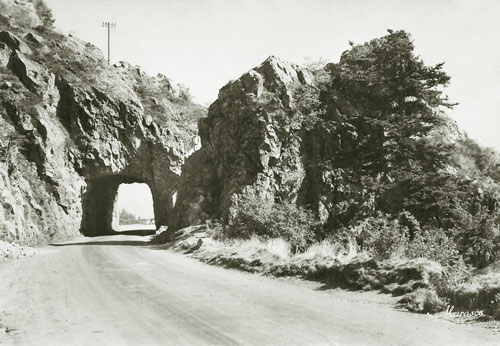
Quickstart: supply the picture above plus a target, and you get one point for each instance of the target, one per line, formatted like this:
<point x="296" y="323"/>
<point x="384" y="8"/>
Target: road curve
<point x="118" y="291"/>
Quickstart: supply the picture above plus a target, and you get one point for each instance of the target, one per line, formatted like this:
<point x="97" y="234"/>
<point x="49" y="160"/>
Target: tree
<point x="45" y="14"/>
<point x="379" y="107"/>
<point x="389" y="96"/>
<point x="127" y="217"/>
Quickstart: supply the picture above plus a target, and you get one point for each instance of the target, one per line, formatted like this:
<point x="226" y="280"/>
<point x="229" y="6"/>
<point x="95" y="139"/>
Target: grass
<point x="423" y="300"/>
<point x="425" y="286"/>
<point x="323" y="261"/>
<point x="278" y="249"/>
<point x="328" y="250"/>
<point x="479" y="292"/>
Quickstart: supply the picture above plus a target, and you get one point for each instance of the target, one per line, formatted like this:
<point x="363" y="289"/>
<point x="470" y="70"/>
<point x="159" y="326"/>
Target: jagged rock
<point x="34" y="76"/>
<point x="34" y="38"/>
<point x="67" y="143"/>
<point x="139" y="71"/>
<point x="248" y="146"/>
<point x="14" y="42"/>
<point x="4" y="54"/>
<point x="6" y="85"/>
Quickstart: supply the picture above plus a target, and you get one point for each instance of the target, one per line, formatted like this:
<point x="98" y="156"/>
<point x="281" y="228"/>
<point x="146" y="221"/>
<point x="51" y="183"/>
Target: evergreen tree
<point x="45" y="14"/>
<point x="389" y="97"/>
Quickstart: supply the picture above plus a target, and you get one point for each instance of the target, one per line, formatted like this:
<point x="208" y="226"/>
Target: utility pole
<point x="109" y="26"/>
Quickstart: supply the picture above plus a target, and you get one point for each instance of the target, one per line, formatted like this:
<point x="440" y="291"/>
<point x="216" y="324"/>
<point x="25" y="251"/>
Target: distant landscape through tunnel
<point x="133" y="208"/>
<point x="109" y="196"/>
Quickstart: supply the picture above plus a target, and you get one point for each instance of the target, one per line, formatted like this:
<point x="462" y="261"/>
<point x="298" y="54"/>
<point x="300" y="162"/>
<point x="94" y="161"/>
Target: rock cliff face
<point x="72" y="129"/>
<point x="250" y="143"/>
<point x="254" y="144"/>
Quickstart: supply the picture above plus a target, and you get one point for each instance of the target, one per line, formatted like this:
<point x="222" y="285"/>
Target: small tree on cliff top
<point x="45" y="14"/>
<point x="379" y="106"/>
<point x="387" y="93"/>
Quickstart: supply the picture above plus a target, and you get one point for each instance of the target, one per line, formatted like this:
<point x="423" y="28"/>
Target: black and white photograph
<point x="249" y="172"/>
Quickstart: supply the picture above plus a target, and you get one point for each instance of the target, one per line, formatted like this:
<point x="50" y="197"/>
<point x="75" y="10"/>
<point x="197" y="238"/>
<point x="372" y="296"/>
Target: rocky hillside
<point x="362" y="142"/>
<point x="363" y="146"/>
<point x="73" y="128"/>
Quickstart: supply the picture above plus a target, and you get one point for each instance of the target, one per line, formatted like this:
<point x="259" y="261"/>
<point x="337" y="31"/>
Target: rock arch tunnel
<point x="99" y="199"/>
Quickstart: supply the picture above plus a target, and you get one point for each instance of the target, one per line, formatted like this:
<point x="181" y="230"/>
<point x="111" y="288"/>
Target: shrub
<point x="480" y="292"/>
<point x="20" y="16"/>
<point x="434" y="245"/>
<point x="269" y="220"/>
<point x="407" y="219"/>
<point x="423" y="300"/>
<point x="45" y="14"/>
<point x="382" y="236"/>
<point x="479" y="243"/>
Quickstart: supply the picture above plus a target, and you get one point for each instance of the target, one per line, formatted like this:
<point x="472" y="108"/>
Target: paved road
<point x="116" y="291"/>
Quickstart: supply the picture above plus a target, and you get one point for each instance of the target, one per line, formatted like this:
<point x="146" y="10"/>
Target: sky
<point x="206" y="43"/>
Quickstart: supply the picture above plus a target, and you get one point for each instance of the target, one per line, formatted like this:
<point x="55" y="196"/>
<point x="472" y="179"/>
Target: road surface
<point x="117" y="290"/>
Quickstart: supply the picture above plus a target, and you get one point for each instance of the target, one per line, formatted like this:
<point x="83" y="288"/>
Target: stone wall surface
<point x="73" y="128"/>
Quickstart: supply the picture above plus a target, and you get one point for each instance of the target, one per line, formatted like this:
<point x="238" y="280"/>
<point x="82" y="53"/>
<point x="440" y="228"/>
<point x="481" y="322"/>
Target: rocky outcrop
<point x="14" y="42"/>
<point x="256" y="143"/>
<point x="34" y="77"/>
<point x="72" y="129"/>
<point x="279" y="133"/>
<point x="250" y="142"/>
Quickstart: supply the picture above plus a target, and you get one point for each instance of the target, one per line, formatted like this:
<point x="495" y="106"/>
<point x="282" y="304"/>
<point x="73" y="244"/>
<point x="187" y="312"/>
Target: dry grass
<point x="480" y="292"/>
<point x="278" y="247"/>
<point x="328" y="250"/>
<point x="423" y="300"/>
<point x="418" y="280"/>
<point x="281" y="249"/>
<point x="274" y="248"/>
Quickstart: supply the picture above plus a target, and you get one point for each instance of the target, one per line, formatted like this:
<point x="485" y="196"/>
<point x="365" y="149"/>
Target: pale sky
<point x="205" y="43"/>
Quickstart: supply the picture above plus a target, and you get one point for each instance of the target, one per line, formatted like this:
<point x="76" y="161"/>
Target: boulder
<point x="249" y="139"/>
<point x="34" y="38"/>
<point x="14" y="42"/>
<point x="4" y="54"/>
<point x="33" y="75"/>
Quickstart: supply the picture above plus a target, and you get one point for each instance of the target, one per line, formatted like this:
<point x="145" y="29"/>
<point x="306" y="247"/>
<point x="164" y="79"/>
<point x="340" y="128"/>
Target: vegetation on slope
<point x="403" y="183"/>
<point x="396" y="169"/>
<point x="168" y="104"/>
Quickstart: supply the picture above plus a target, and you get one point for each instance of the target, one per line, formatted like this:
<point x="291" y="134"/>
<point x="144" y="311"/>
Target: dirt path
<point x="116" y="291"/>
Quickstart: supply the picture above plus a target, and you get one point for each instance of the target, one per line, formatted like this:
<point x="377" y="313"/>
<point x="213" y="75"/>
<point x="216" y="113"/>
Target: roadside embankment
<point x="424" y="286"/>
<point x="14" y="251"/>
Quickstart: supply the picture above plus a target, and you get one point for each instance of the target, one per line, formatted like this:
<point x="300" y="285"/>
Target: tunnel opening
<point x="133" y="209"/>
<point x="101" y="204"/>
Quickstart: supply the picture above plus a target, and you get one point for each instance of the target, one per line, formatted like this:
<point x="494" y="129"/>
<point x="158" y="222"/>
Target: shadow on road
<point x="108" y="242"/>
<point x="141" y="232"/>
<point x="141" y="237"/>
